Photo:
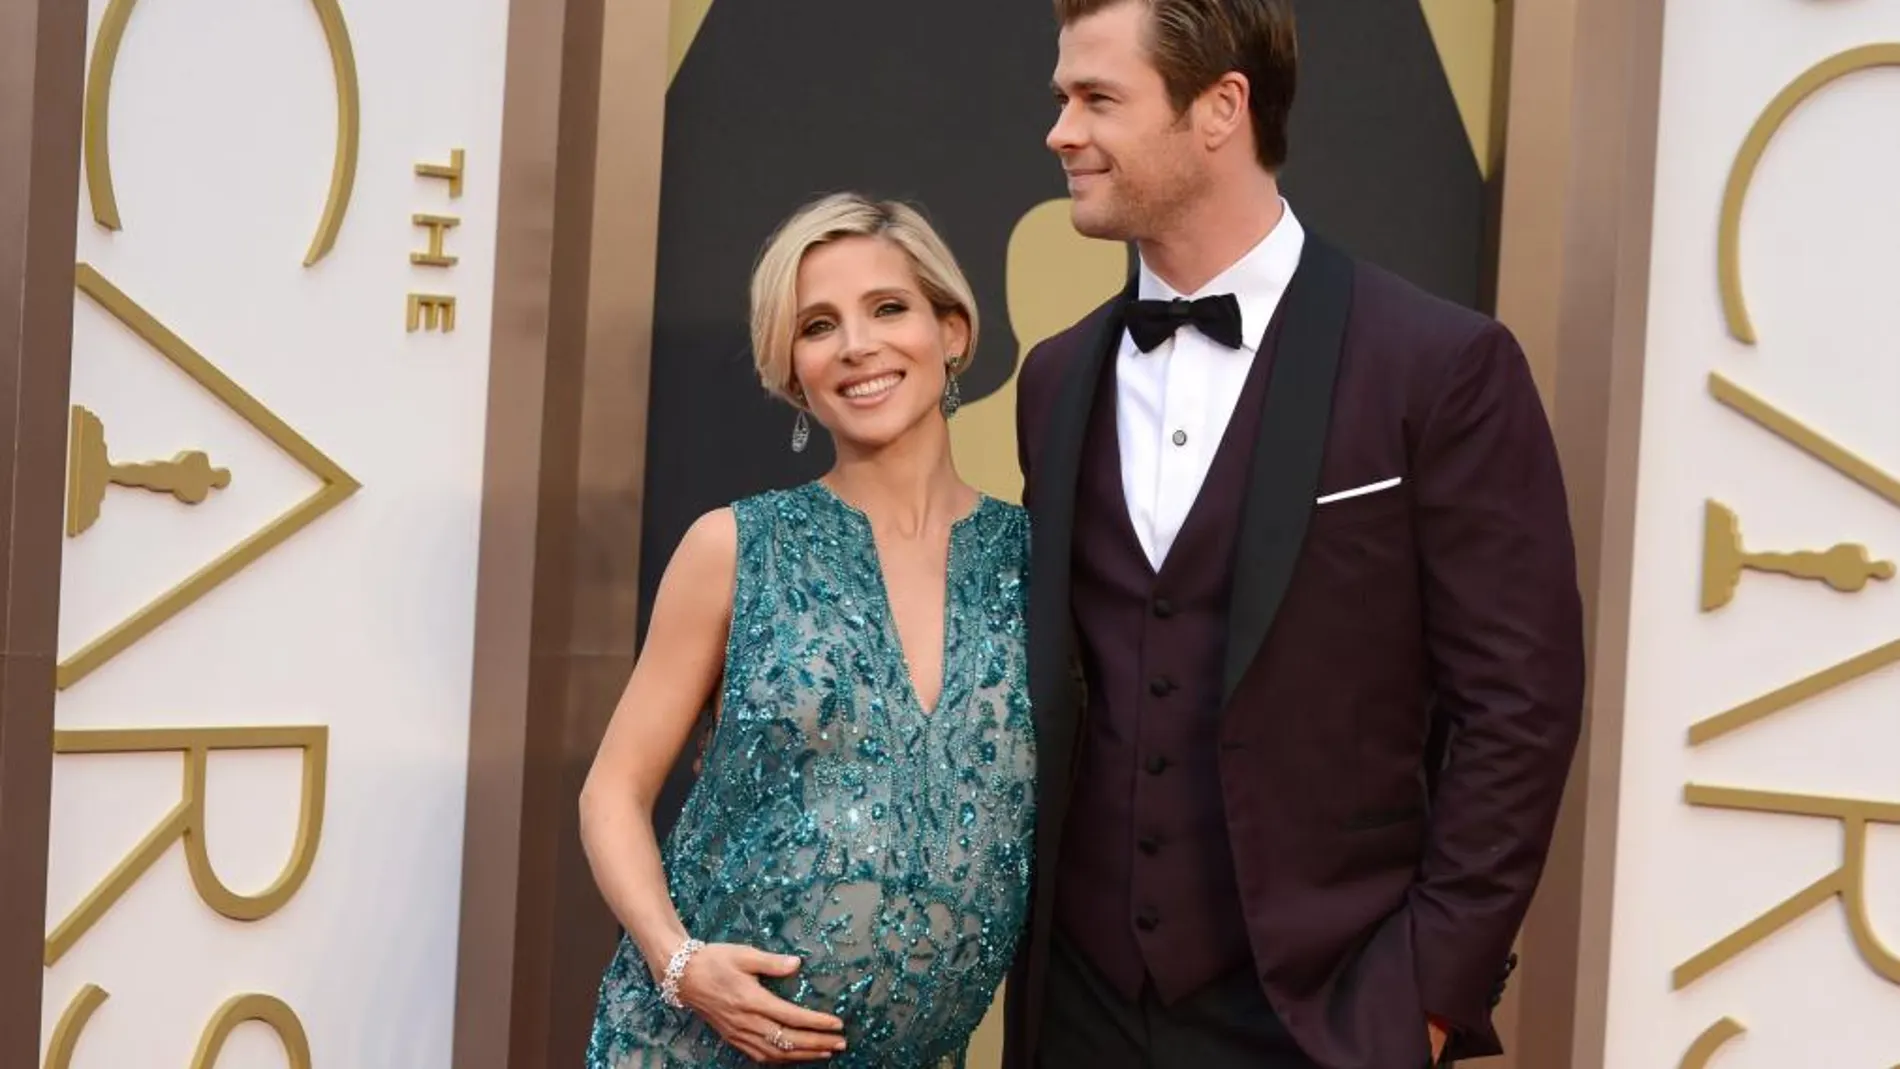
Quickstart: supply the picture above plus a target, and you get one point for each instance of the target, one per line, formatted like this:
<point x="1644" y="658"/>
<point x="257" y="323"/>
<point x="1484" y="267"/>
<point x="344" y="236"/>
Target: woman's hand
<point x="721" y="984"/>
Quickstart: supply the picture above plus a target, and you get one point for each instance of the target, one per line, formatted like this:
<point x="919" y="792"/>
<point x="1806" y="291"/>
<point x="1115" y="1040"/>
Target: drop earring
<point x="801" y="432"/>
<point x="952" y="396"/>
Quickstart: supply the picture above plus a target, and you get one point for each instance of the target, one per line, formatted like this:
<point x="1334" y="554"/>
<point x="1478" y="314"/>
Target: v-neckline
<point x="892" y="634"/>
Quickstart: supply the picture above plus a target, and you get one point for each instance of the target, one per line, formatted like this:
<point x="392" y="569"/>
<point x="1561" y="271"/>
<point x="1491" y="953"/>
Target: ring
<point x="779" y="1040"/>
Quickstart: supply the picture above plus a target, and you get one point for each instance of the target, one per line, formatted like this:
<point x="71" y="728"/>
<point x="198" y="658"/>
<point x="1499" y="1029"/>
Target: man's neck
<point x="1213" y="234"/>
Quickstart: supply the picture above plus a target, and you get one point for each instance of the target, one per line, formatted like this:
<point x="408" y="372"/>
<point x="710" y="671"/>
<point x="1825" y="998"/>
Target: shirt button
<point x="1161" y="686"/>
<point x="1163" y="608"/>
<point x="1149" y="845"/>
<point x="1180" y="437"/>
<point x="1147" y="921"/>
<point x="1157" y="765"/>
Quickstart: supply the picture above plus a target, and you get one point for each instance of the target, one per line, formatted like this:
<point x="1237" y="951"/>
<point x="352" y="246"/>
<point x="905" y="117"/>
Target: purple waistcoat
<point x="1146" y="885"/>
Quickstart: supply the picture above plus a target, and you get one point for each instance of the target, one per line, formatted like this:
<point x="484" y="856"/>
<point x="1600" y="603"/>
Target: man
<point x="1306" y="640"/>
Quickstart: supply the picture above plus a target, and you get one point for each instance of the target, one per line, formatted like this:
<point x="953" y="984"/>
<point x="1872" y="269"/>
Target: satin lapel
<point x="1283" y="475"/>
<point x="1052" y="524"/>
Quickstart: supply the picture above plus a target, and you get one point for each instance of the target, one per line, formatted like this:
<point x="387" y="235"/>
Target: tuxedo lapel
<point x="1052" y="518"/>
<point x="1283" y="475"/>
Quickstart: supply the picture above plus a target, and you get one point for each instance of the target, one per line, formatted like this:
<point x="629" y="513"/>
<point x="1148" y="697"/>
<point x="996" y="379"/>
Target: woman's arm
<point x="677" y="672"/>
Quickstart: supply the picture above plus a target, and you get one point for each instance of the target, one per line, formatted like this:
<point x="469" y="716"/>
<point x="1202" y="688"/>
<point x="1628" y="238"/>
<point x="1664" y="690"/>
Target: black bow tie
<point x="1152" y="322"/>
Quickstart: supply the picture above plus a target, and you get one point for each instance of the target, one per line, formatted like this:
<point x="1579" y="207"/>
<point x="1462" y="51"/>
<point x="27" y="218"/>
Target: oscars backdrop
<point x="1757" y="902"/>
<point x="946" y="105"/>
<point x="286" y="231"/>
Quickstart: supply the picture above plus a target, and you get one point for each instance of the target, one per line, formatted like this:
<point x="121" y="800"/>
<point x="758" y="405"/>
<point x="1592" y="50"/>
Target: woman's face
<point x="868" y="350"/>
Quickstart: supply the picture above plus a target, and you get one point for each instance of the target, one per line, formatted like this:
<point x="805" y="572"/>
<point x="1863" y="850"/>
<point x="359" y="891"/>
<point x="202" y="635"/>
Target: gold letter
<point x="452" y="172"/>
<point x="263" y="1008"/>
<point x="186" y="821"/>
<point x="439" y="226"/>
<point x="1848" y="881"/>
<point x="1710" y="1041"/>
<point x="235" y="1011"/>
<point x="428" y="311"/>
<point x="72" y="1023"/>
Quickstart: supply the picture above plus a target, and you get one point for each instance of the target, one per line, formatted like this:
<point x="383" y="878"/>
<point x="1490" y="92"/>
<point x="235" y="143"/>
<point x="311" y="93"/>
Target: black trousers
<point x="1087" y="1024"/>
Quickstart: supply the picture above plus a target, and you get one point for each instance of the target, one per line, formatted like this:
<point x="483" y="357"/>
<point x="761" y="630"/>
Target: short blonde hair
<point x="844" y="215"/>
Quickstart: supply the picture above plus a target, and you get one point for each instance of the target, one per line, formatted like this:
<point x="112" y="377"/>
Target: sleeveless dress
<point x="834" y="817"/>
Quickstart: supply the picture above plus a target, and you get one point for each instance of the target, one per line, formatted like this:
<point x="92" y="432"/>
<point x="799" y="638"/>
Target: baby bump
<point x="901" y="966"/>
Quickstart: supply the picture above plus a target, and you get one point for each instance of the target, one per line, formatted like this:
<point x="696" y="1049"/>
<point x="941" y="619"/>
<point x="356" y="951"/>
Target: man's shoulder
<point x="1385" y="302"/>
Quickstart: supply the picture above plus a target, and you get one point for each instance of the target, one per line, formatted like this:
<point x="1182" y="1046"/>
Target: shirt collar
<point x="1257" y="280"/>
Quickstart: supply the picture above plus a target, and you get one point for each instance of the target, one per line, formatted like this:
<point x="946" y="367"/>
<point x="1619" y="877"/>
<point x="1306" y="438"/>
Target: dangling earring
<point x="801" y="432"/>
<point x="952" y="397"/>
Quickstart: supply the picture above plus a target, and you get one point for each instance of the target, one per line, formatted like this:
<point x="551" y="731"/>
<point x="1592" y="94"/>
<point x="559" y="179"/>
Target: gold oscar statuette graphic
<point x="337" y="484"/>
<point x="98" y="121"/>
<point x="1846" y="567"/>
<point x="1728" y="257"/>
<point x="1714" y="1038"/>
<point x="186" y="821"/>
<point x="267" y="1010"/>
<point x="188" y="476"/>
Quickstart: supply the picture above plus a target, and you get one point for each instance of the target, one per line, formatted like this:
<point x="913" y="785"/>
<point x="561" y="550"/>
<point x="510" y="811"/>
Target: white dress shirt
<point x="1172" y="404"/>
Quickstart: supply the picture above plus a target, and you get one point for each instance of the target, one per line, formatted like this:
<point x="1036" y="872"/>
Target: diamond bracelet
<point x="676" y="968"/>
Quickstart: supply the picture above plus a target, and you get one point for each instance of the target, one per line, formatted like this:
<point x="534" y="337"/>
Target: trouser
<point x="1087" y="1024"/>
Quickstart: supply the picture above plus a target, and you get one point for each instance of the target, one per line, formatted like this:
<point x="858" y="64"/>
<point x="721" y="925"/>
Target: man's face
<point x="1131" y="161"/>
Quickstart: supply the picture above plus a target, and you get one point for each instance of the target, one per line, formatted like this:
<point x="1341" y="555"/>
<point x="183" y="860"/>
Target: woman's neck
<point x="909" y="487"/>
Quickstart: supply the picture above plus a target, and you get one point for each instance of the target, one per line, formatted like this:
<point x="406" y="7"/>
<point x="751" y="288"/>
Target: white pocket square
<point x="1360" y="491"/>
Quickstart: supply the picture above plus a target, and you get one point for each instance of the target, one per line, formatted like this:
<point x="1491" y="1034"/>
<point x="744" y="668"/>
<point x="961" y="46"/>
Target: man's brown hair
<point x="1194" y="42"/>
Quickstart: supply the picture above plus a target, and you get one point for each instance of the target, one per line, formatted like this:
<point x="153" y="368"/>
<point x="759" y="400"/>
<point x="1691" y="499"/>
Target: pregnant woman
<point x="849" y="876"/>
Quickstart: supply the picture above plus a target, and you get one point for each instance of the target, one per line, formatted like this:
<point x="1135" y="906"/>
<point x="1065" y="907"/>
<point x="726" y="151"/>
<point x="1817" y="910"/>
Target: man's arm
<point x="1504" y="632"/>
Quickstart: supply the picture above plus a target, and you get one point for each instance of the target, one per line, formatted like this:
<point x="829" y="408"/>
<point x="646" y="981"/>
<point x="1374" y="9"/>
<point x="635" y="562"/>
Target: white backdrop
<point x="222" y="138"/>
<point x="1820" y="268"/>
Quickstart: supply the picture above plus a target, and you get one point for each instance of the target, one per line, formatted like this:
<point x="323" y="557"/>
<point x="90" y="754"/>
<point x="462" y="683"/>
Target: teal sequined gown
<point x="836" y="819"/>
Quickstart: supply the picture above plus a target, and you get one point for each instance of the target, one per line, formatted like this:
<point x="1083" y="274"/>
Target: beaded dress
<point x="836" y="819"/>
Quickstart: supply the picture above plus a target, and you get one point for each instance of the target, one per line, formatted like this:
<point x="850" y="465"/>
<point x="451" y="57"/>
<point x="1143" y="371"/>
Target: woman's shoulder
<point x="1002" y="525"/>
<point x="770" y="508"/>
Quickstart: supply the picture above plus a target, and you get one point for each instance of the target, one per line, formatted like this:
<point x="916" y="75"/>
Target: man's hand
<point x="1437" y="1035"/>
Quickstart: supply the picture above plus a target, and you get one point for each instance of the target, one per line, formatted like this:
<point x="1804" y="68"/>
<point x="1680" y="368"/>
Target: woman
<point x="850" y="872"/>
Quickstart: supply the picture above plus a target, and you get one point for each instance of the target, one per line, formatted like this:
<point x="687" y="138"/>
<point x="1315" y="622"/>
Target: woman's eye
<point x="815" y="328"/>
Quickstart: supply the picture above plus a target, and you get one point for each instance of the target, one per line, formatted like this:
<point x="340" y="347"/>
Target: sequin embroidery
<point x="835" y="818"/>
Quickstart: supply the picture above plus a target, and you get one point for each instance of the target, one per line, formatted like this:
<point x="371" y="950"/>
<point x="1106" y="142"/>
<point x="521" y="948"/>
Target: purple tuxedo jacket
<point x="1402" y="672"/>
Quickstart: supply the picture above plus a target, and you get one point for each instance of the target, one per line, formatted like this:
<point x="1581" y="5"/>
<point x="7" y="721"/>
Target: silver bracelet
<point x="676" y="968"/>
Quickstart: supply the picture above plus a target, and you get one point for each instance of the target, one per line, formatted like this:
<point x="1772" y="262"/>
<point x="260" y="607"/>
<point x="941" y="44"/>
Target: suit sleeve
<point x="1504" y="634"/>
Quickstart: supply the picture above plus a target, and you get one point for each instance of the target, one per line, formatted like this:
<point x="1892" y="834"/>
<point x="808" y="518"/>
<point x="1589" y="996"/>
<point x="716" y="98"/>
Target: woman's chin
<point x="870" y="434"/>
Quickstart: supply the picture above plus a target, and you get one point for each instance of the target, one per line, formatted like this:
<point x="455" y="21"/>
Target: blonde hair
<point x="844" y="215"/>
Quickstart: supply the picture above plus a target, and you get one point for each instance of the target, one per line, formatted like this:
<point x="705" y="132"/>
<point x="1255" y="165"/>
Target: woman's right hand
<point x="721" y="984"/>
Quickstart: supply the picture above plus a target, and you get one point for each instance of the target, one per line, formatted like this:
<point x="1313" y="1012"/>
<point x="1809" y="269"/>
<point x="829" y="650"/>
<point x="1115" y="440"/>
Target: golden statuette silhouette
<point x="1846" y="567"/>
<point x="188" y="476"/>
